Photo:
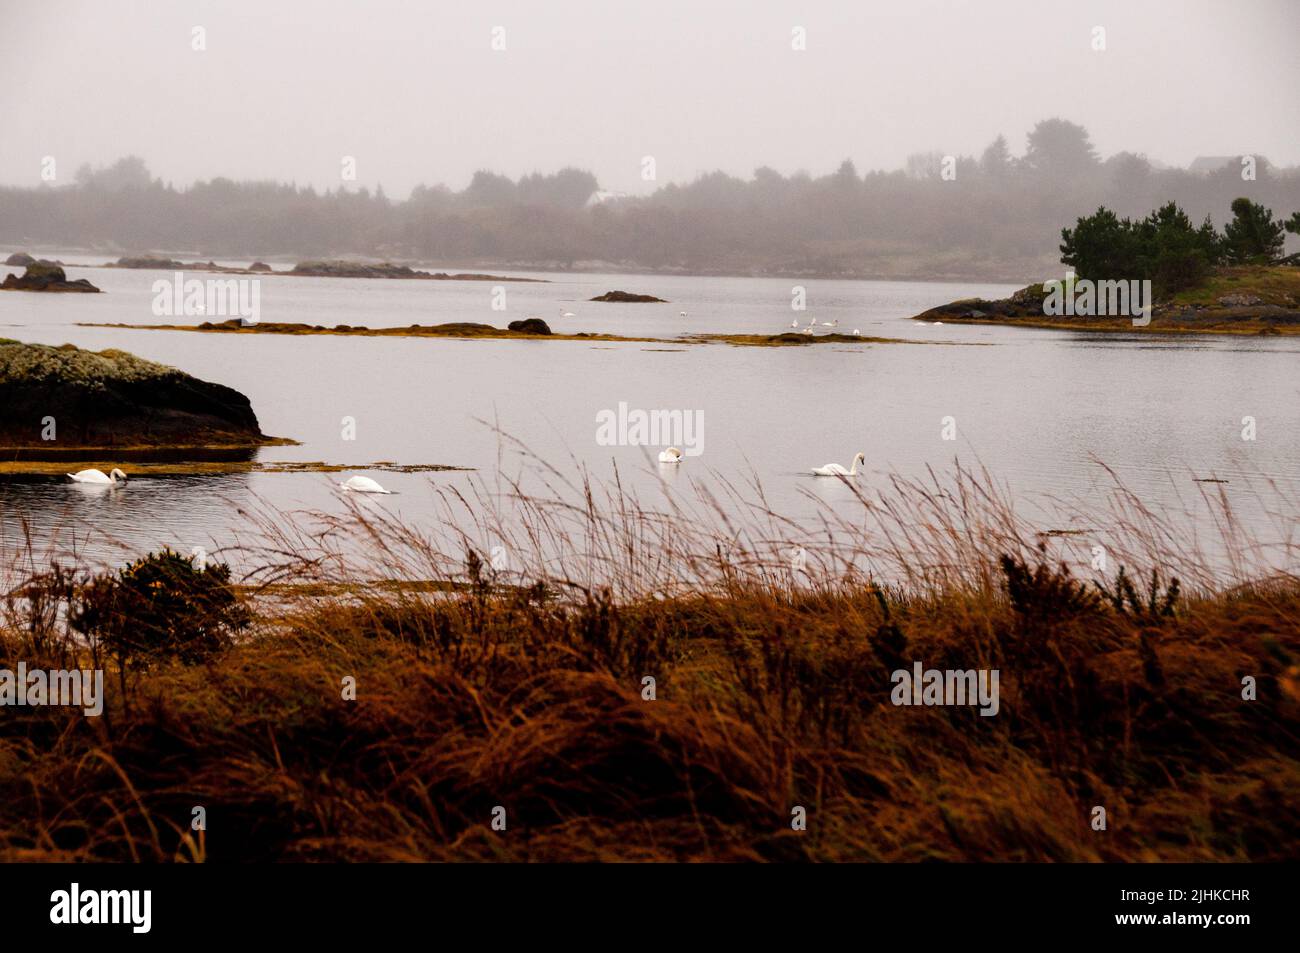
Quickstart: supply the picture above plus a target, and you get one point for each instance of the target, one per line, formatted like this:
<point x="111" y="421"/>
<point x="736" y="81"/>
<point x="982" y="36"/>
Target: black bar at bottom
<point x="1221" y="903"/>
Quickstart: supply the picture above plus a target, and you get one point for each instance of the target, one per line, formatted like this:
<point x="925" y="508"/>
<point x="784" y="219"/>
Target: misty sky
<point x="417" y="94"/>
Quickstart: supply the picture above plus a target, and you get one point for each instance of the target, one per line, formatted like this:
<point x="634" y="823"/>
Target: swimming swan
<point x="671" y="455"/>
<point x="360" y="484"/>
<point x="834" y="469"/>
<point x="97" y="476"/>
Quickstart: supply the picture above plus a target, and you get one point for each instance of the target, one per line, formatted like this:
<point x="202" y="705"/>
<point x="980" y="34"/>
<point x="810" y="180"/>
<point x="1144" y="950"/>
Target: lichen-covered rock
<point x="114" y="399"/>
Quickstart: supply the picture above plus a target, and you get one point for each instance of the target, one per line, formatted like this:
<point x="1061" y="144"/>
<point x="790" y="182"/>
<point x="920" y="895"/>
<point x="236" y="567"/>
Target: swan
<point x="831" y="324"/>
<point x="360" y="484"/>
<point x="671" y="455"/>
<point x="567" y="314"/>
<point x="97" y="476"/>
<point x="794" y="324"/>
<point x="834" y="469"/>
<point x="857" y="333"/>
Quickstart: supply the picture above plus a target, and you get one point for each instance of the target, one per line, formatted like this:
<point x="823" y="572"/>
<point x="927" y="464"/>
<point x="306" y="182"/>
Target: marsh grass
<point x="499" y="656"/>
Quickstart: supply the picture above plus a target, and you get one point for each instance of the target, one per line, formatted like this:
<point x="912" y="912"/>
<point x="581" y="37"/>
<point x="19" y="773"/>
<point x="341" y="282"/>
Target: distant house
<point x="602" y="196"/>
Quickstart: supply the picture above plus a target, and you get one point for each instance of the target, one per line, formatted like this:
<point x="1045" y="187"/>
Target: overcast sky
<point x="416" y="93"/>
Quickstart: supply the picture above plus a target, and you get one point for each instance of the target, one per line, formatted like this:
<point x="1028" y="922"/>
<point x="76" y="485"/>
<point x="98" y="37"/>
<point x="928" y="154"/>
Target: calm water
<point x="1035" y="407"/>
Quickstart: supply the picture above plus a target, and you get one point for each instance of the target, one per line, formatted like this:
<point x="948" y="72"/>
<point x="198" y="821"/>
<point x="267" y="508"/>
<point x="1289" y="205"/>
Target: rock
<point x="259" y="266"/>
<point x="20" y="259"/>
<point x="530" y="326"/>
<point x="626" y="297"/>
<point x="1240" y="301"/>
<point x="360" y="269"/>
<point x="149" y="261"/>
<point x="355" y="269"/>
<point x="114" y="399"/>
<point x="45" y="276"/>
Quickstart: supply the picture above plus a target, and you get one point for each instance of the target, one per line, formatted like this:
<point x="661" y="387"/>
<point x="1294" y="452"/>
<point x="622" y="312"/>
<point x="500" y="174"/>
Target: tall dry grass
<point x="518" y="682"/>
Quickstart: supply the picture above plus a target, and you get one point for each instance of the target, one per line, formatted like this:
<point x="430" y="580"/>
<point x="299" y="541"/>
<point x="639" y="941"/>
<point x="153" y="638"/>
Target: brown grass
<point x="522" y="688"/>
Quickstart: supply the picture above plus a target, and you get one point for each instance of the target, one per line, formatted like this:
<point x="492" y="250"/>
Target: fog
<point x="417" y="94"/>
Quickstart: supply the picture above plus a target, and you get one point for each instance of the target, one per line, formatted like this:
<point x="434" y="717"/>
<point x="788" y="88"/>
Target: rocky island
<point x="332" y="268"/>
<point x="57" y="399"/>
<point x="1251" y="299"/>
<point x="360" y="269"/>
<point x="627" y="297"/>
<point x="526" y="328"/>
<point x="46" y="276"/>
<point x="155" y="263"/>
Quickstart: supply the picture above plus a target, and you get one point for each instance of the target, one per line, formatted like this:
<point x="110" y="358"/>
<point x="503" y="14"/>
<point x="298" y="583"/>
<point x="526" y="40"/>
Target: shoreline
<point x="157" y="468"/>
<point x="1242" y="301"/>
<point x="485" y="332"/>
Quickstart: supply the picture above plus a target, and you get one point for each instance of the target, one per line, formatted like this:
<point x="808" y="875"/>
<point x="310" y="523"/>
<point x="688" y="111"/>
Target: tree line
<point x="1166" y="248"/>
<point x="995" y="216"/>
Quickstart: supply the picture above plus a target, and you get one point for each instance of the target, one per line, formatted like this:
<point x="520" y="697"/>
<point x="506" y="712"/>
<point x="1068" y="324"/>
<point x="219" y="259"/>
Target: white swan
<point x="857" y="333"/>
<point x="567" y="314"/>
<point x="831" y="324"/>
<point x="795" y="323"/>
<point x="97" y="476"/>
<point x="834" y="469"/>
<point x="671" y="455"/>
<point x="360" y="484"/>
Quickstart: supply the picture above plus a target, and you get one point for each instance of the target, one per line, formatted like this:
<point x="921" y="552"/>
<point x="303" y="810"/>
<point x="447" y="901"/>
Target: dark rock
<point x="115" y="399"/>
<point x="20" y="259"/>
<point x="530" y="326"/>
<point x="259" y="266"/>
<point x="626" y="297"/>
<point x="45" y="276"/>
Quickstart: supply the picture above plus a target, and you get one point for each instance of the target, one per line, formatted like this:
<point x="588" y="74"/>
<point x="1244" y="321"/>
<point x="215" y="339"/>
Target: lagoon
<point x="1040" y="409"/>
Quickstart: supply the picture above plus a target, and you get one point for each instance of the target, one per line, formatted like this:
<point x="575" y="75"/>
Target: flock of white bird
<point x="812" y="326"/>
<point x="362" y="484"/>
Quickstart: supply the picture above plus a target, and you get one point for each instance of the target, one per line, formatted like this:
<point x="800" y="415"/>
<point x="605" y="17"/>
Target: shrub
<point x="161" y="606"/>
